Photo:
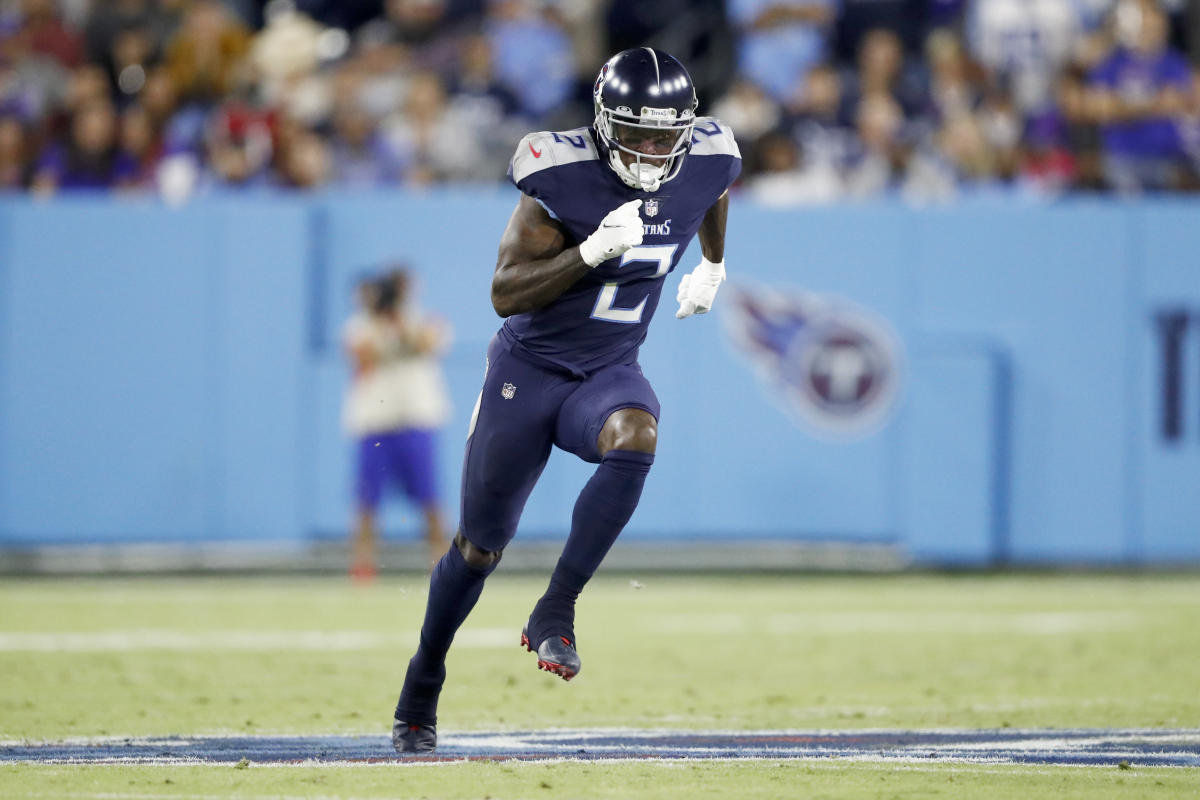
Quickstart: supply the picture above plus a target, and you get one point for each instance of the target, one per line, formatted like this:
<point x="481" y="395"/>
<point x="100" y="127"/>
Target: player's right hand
<point x="619" y="231"/>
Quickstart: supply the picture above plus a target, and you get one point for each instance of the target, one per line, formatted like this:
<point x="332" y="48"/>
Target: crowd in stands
<point x="830" y="99"/>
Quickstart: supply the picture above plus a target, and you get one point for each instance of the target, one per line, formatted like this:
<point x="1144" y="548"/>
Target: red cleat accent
<point x="550" y="649"/>
<point x="557" y="669"/>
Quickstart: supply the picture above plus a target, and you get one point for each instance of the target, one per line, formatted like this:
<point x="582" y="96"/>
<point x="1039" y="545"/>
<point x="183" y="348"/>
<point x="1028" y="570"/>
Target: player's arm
<point x="535" y="265"/>
<point x="698" y="289"/>
<point x="712" y="230"/>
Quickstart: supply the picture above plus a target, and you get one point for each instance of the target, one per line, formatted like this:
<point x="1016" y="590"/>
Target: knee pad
<point x="476" y="557"/>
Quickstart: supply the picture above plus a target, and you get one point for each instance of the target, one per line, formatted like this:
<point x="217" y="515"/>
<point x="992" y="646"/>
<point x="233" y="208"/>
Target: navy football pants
<point x="523" y="409"/>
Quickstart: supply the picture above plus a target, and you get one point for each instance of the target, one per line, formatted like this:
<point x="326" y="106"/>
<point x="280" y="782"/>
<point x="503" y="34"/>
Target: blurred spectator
<point x="140" y="141"/>
<point x="962" y="142"/>
<point x="1189" y="134"/>
<point x="485" y="104"/>
<point x="112" y="19"/>
<point x="1025" y="43"/>
<point x="877" y="165"/>
<point x="1138" y="95"/>
<point x="158" y="97"/>
<point x="475" y="81"/>
<point x="954" y="79"/>
<point x="880" y="67"/>
<point x="426" y="31"/>
<point x="822" y="125"/>
<point x="696" y="32"/>
<point x="287" y="56"/>
<point x="360" y="155"/>
<point x="1047" y="166"/>
<point x="204" y="54"/>
<point x="87" y="84"/>
<point x="133" y="53"/>
<point x="907" y="20"/>
<point x="91" y="158"/>
<point x="749" y="111"/>
<point x="1000" y="125"/>
<point x="14" y="158"/>
<point x="33" y="77"/>
<point x="784" y="176"/>
<point x="301" y="156"/>
<point x="531" y="53"/>
<point x="46" y="35"/>
<point x="394" y="406"/>
<point x="239" y="145"/>
<point x="1078" y="132"/>
<point x="781" y="40"/>
<point x="433" y="142"/>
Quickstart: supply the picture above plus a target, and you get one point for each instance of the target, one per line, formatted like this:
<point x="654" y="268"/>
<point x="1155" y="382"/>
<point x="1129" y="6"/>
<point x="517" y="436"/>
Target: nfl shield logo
<point x="507" y="391"/>
<point x="651" y="207"/>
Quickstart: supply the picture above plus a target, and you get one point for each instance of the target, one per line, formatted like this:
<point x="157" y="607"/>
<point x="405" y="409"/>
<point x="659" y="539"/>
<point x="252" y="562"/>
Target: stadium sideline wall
<point x="175" y="375"/>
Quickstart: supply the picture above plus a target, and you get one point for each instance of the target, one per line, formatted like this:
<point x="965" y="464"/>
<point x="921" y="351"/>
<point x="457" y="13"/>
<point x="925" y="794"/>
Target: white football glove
<point x="698" y="288"/>
<point x="619" y="231"/>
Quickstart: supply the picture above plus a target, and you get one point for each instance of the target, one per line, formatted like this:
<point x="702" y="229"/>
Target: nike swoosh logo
<point x="536" y="153"/>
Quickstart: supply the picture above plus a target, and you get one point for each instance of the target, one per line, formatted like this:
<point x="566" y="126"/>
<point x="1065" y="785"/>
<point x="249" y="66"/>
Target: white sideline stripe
<point x="156" y="639"/>
<point x="1037" y="623"/>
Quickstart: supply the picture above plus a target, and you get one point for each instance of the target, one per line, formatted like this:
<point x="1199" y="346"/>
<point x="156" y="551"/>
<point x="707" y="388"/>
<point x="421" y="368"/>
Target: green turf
<point x="673" y="780"/>
<point x="794" y="651"/>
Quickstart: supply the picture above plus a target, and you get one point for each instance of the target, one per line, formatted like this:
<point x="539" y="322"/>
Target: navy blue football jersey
<point x="602" y="319"/>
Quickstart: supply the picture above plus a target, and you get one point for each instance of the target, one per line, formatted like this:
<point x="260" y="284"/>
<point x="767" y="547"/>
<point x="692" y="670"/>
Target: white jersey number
<point x="661" y="254"/>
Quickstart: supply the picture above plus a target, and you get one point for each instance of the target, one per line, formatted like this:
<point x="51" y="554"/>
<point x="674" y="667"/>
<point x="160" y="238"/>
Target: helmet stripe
<point x="654" y="58"/>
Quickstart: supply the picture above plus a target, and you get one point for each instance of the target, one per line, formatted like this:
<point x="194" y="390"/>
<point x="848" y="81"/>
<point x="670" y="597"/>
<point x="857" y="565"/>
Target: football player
<point x="606" y="212"/>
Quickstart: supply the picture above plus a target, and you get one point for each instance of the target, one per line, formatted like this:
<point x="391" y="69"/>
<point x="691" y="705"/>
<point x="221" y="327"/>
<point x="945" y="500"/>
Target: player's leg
<point x="610" y="419"/>
<point x="512" y="431"/>
<point x="371" y="473"/>
<point x="417" y="470"/>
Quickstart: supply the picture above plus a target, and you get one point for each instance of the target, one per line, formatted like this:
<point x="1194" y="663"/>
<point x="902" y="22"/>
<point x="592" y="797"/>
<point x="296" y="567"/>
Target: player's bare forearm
<point x="535" y="265"/>
<point x="712" y="230"/>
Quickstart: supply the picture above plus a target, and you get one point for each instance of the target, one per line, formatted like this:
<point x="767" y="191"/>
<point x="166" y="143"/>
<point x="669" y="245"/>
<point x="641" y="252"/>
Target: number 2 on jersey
<point x="605" y="310"/>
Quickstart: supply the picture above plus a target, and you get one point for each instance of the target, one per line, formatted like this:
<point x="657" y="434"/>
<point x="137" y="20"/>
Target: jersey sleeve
<point x="532" y="169"/>
<point x="713" y="138"/>
<point x="537" y="166"/>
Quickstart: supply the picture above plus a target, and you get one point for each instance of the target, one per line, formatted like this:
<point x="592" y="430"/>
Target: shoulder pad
<point x="545" y="149"/>
<point x="712" y="137"/>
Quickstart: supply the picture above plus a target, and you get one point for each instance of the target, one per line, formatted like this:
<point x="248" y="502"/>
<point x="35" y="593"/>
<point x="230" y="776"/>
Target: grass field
<point x="189" y="656"/>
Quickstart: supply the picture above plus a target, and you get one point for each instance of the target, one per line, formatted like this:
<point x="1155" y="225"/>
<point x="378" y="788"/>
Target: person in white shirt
<point x="396" y="402"/>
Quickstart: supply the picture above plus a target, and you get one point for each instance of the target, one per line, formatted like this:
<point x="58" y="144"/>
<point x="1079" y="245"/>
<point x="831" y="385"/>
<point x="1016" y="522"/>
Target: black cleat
<point x="555" y="654"/>
<point x="413" y="738"/>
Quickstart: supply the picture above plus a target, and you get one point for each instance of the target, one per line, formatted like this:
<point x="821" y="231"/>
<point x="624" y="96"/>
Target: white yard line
<point x="682" y="624"/>
<point x="260" y="640"/>
<point x="1036" y="623"/>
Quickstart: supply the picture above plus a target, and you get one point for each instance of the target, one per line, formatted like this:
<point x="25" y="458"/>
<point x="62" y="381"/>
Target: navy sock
<point x="454" y="588"/>
<point x="604" y="506"/>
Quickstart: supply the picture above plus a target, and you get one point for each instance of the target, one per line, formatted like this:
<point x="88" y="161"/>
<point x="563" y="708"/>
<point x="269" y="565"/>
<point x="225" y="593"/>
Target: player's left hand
<point x="698" y="289"/>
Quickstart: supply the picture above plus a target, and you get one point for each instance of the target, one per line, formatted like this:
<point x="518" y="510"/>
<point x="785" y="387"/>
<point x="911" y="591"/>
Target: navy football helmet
<point x="646" y="107"/>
